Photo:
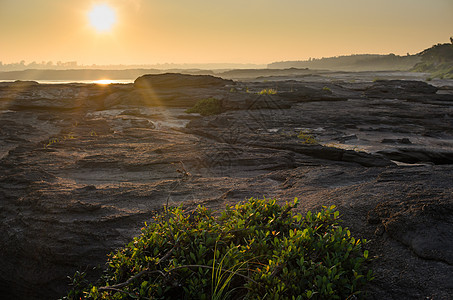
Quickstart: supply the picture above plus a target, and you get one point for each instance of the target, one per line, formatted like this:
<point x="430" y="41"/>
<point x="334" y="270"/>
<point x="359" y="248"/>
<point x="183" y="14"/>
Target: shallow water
<point x="99" y="81"/>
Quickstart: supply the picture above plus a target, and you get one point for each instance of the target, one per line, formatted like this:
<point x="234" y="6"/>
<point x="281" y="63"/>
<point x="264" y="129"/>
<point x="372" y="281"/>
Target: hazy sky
<point x="204" y="31"/>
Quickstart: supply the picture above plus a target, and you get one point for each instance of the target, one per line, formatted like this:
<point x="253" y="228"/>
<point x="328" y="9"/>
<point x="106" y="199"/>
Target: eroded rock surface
<point x="82" y="167"/>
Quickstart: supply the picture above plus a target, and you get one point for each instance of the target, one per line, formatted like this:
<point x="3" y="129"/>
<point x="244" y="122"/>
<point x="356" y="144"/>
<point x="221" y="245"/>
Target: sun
<point x="102" y="17"/>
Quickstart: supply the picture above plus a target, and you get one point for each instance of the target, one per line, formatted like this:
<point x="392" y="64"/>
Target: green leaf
<point x="192" y="255"/>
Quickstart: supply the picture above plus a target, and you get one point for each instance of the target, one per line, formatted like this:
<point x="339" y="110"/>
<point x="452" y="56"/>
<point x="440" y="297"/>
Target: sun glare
<point x="102" y="17"/>
<point x="103" y="81"/>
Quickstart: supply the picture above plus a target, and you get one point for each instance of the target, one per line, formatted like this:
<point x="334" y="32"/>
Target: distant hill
<point x="357" y="62"/>
<point x="257" y="73"/>
<point x="437" y="60"/>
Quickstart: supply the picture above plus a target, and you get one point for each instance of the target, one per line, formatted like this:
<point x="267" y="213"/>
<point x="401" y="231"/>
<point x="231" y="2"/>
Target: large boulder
<point x="176" y="80"/>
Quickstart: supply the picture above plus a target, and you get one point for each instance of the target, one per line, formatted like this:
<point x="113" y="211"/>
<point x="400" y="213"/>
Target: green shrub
<point x="207" y="107"/>
<point x="268" y="92"/>
<point x="254" y="250"/>
<point x="327" y="90"/>
<point x="306" y="138"/>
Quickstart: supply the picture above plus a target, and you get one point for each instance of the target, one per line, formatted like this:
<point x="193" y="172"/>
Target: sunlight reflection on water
<point x="98" y="81"/>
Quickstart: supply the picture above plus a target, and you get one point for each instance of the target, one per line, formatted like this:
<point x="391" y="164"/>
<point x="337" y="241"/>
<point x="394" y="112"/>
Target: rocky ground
<point x="82" y="167"/>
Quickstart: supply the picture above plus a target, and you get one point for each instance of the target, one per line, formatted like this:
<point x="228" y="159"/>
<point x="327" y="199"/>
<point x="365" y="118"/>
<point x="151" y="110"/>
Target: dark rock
<point x="405" y="141"/>
<point x="424" y="225"/>
<point x="211" y="130"/>
<point x="418" y="155"/>
<point x="57" y="97"/>
<point x="373" y="217"/>
<point x="267" y="102"/>
<point x="142" y="123"/>
<point x="176" y="80"/>
<point x="247" y="101"/>
<point x="87" y="188"/>
<point x="346" y="138"/>
<point x="399" y="88"/>
<point x="133" y="112"/>
<point x="306" y="94"/>
<point x="22" y="84"/>
<point x="80" y="207"/>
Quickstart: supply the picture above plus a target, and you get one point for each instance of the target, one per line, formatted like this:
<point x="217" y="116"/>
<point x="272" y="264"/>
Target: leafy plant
<point x="268" y="92"/>
<point x="266" y="251"/>
<point x="206" y="107"/>
<point x="327" y="90"/>
<point x="306" y="138"/>
<point x="57" y="140"/>
<point x="78" y="282"/>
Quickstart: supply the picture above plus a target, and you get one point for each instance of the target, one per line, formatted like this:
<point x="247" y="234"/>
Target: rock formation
<point x="176" y="80"/>
<point x="82" y="167"/>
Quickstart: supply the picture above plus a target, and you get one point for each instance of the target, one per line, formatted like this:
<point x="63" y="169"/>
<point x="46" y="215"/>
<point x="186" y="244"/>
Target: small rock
<point x="405" y="141"/>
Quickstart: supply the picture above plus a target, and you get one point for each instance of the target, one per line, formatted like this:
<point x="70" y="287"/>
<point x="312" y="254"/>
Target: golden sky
<point x="207" y="31"/>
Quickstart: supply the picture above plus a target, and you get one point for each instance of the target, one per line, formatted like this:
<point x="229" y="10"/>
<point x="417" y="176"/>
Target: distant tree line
<point x="19" y="66"/>
<point x="73" y="65"/>
<point x="59" y="65"/>
<point x="355" y="62"/>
